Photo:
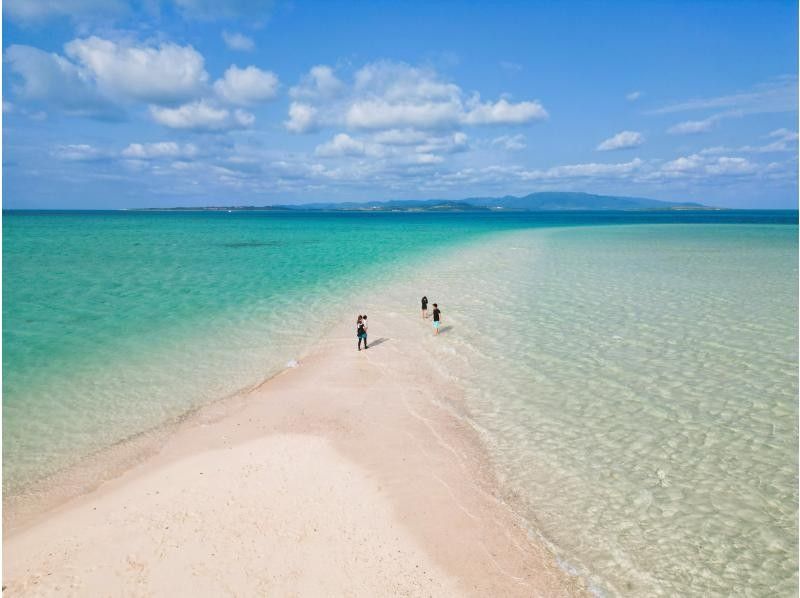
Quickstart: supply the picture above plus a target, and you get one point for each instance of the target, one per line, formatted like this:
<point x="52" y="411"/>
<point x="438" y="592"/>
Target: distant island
<point x="533" y="202"/>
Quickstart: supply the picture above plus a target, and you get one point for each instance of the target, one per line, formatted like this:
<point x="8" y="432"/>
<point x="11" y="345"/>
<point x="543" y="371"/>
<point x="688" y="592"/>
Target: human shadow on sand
<point x="377" y="342"/>
<point x="445" y="329"/>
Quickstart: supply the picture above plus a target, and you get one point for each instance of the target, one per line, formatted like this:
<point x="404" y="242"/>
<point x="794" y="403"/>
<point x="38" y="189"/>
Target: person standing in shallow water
<point x="437" y="316"/>
<point x="361" y="333"/>
<point x="424" y="307"/>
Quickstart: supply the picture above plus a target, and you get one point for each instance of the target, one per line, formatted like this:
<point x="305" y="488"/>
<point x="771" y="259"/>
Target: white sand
<point x="346" y="476"/>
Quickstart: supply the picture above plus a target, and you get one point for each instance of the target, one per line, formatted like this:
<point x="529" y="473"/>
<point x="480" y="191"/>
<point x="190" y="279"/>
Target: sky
<point x="112" y="104"/>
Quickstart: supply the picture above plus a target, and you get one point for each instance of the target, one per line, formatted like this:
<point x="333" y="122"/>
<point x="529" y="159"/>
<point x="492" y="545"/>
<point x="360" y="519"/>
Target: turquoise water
<point x="635" y="381"/>
<point x="116" y="322"/>
<point x="637" y="389"/>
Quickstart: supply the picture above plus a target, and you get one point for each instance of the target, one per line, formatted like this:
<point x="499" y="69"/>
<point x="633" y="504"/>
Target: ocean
<point x="633" y="374"/>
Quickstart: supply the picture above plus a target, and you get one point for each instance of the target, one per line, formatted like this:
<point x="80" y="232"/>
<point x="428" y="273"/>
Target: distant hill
<point x="534" y="202"/>
<point x="554" y="200"/>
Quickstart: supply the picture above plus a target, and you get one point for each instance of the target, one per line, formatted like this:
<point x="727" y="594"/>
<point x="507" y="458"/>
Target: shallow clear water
<point x="636" y="385"/>
<point x="114" y="323"/>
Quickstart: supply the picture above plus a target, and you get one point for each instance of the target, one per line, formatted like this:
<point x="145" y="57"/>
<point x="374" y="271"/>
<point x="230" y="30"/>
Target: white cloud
<point x="162" y="149"/>
<point x="34" y="10"/>
<point x="162" y="74"/>
<point x="731" y="166"/>
<point x="504" y="112"/>
<point x="80" y="152"/>
<point x="396" y="81"/>
<point x="247" y="86"/>
<point x="341" y="145"/>
<point x="633" y="96"/>
<point x="400" y="137"/>
<point x="448" y="144"/>
<point x="512" y="143"/>
<point x="784" y="140"/>
<point x="783" y="134"/>
<point x="201" y="116"/>
<point x="591" y="169"/>
<point x="401" y="147"/>
<point x="777" y="95"/>
<point x="381" y="114"/>
<point x="254" y="10"/>
<point x="302" y="118"/>
<point x="238" y="41"/>
<point x="53" y="79"/>
<point x="394" y="96"/>
<point x="692" y="127"/>
<point x="428" y="159"/>
<point x="320" y="82"/>
<point x="622" y="140"/>
<point x="699" y="165"/>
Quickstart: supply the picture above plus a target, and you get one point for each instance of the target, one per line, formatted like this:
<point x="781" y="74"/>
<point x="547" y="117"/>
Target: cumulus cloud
<point x="622" y="140"/>
<point x="247" y="86"/>
<point x="51" y="78"/>
<point x="161" y="149"/>
<point x="591" y="169"/>
<point x="99" y="77"/>
<point x="388" y="95"/>
<point x="201" y="116"/>
<point x="699" y="165"/>
<point x="341" y="145"/>
<point x="382" y="114"/>
<point x="427" y="159"/>
<point x="444" y="144"/>
<point x="159" y="74"/>
<point x="400" y="137"/>
<point x="504" y="112"/>
<point x="400" y="147"/>
<point x="302" y="118"/>
<point x="320" y="82"/>
<point x="238" y="41"/>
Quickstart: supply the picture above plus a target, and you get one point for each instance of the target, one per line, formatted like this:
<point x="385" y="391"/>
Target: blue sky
<point x="110" y="104"/>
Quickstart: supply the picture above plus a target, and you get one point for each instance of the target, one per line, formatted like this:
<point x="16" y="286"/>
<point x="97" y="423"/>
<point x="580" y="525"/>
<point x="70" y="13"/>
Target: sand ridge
<point x="350" y="475"/>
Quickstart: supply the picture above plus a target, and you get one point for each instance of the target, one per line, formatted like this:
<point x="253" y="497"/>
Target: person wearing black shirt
<point x="424" y="307"/>
<point x="437" y="316"/>
<point x="361" y="332"/>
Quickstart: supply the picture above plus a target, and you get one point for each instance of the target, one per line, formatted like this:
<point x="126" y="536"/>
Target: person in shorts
<point x="361" y="332"/>
<point x="366" y="329"/>
<point x="437" y="317"/>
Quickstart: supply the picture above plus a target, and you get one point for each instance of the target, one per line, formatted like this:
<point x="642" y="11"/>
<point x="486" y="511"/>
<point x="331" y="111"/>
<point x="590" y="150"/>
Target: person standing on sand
<point x="360" y="332"/>
<point x="424" y="307"/>
<point x="437" y="315"/>
<point x="366" y="330"/>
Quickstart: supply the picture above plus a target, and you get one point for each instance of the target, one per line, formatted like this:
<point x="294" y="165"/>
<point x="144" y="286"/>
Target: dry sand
<point x="349" y="475"/>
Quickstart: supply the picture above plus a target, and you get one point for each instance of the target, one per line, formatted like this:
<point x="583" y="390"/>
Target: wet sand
<point x="349" y="475"/>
